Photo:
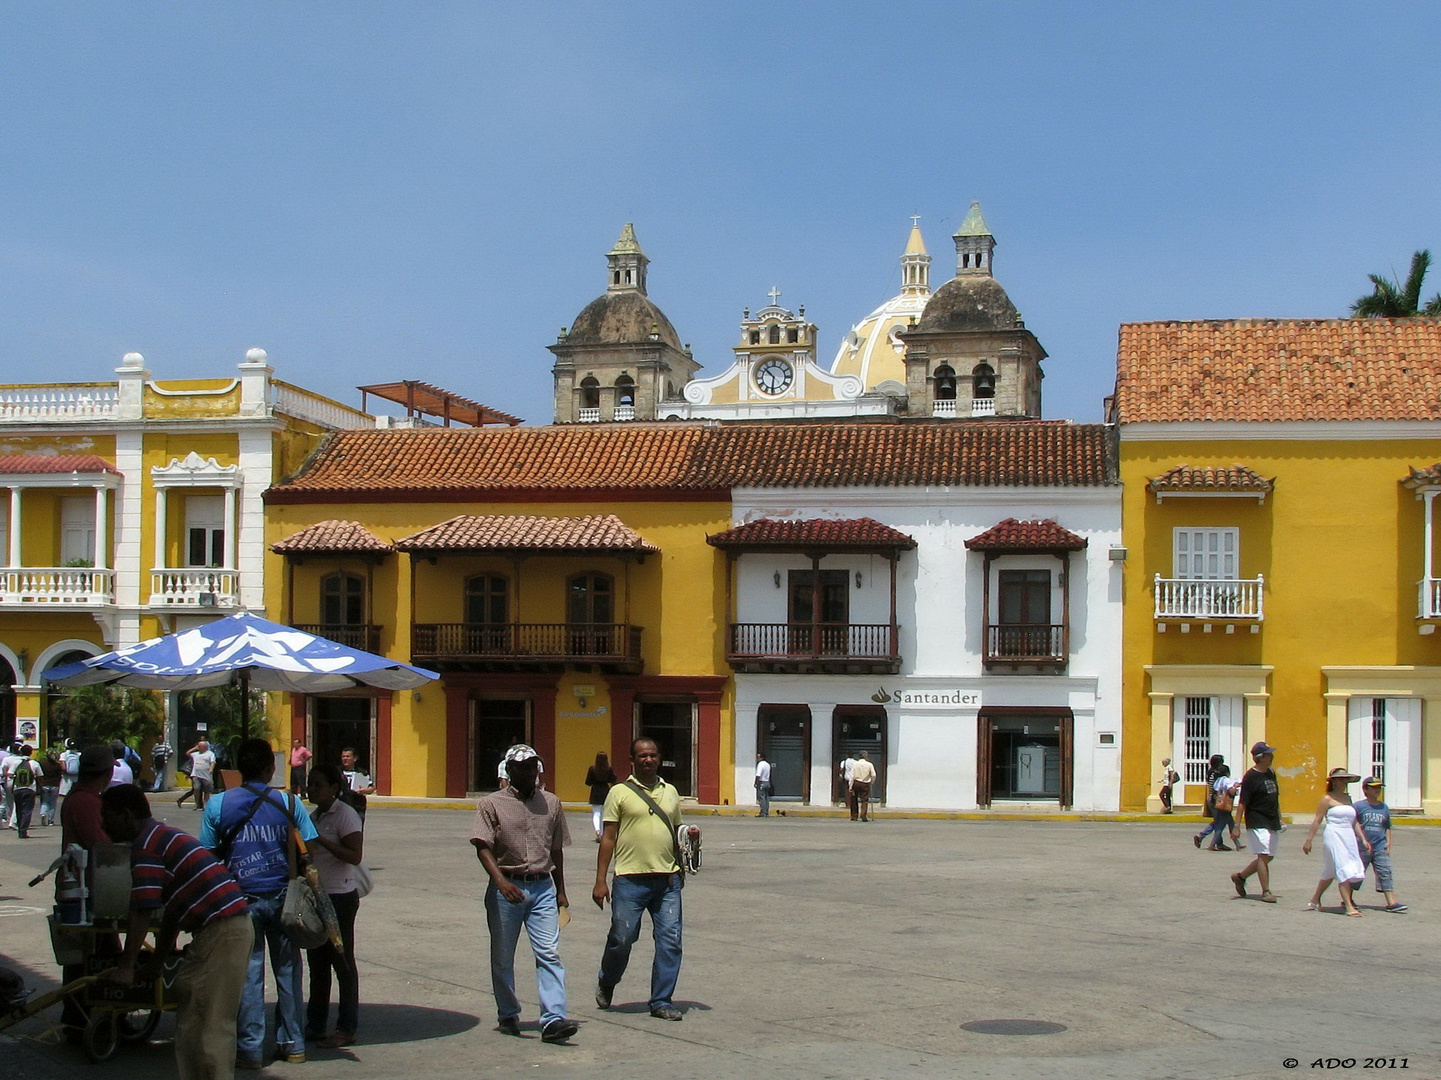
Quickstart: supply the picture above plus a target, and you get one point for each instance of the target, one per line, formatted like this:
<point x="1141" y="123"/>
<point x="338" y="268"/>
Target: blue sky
<point x="384" y="191"/>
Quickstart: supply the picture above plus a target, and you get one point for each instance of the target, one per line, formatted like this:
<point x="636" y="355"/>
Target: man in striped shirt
<point x="173" y="875"/>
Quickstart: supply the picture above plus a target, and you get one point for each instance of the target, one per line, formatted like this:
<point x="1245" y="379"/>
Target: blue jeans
<point x="629" y="897"/>
<point x="540" y="916"/>
<point x="48" y="798"/>
<point x="763" y="796"/>
<point x="285" y="965"/>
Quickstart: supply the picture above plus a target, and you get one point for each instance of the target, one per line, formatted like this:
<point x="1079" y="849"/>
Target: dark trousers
<point x="860" y="799"/>
<point x="24" y="809"/>
<point x="1166" y="798"/>
<point x="325" y="959"/>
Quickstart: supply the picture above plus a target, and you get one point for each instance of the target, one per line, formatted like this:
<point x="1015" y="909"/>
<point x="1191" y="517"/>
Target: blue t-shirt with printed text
<point x="1375" y="819"/>
<point x="259" y="855"/>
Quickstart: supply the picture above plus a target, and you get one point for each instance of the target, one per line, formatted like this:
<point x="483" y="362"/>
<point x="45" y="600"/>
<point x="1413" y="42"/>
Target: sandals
<point x="1313" y="907"/>
<point x="1354" y="913"/>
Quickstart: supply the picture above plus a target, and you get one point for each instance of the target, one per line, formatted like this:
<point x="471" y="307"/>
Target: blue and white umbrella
<point x="244" y="649"/>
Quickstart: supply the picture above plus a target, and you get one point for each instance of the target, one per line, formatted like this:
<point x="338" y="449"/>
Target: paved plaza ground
<point x="819" y="948"/>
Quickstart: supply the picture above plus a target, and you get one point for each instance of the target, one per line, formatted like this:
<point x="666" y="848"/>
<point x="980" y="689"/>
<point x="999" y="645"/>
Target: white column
<point x="1430" y="499"/>
<point x="102" y="531"/>
<point x="14" y="526"/>
<point x="232" y="526"/>
<point x="160" y="528"/>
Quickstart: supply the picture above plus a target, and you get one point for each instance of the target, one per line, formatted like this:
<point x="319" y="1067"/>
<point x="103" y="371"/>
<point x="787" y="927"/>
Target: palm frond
<point x="1385" y="302"/>
<point x="1432" y="310"/>
<point x="1420" y="263"/>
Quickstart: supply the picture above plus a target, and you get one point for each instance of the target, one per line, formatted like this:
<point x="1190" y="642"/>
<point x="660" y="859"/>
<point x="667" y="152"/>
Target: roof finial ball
<point x="132" y="360"/>
<point x="256" y="356"/>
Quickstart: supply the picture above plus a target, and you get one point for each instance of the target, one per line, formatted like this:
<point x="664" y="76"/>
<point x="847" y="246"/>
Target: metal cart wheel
<point x="102" y="1036"/>
<point x="136" y="1027"/>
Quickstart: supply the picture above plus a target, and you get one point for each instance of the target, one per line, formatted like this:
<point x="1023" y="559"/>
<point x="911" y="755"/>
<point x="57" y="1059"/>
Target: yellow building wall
<point x="192" y="398"/>
<point x="1339" y="542"/>
<point x="678" y="597"/>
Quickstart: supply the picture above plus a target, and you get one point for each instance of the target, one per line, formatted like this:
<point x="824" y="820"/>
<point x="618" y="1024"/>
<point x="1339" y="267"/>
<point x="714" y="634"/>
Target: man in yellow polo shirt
<point x="647" y="878"/>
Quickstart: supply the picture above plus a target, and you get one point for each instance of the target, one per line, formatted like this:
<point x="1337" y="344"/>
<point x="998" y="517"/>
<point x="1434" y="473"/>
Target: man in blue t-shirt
<point x="248" y="828"/>
<point x="1375" y="818"/>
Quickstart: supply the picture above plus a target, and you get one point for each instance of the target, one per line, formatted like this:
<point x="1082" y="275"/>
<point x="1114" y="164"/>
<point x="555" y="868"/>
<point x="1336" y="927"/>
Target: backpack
<point x="25" y="774"/>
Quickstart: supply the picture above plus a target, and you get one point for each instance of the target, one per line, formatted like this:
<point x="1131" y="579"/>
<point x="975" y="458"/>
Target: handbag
<point x="307" y="916"/>
<point x="364" y="882"/>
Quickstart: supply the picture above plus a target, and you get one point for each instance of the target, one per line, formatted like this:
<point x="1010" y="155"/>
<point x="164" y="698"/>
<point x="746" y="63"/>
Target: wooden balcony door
<point x="487" y="614"/>
<point x="819" y="617"/>
<point x="590" y="611"/>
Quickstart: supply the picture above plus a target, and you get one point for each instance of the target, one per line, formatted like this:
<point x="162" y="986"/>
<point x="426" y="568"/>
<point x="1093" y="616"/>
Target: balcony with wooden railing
<point x="846" y="648"/>
<point x="1031" y="644"/>
<point x="56" y="586"/>
<point x="1210" y="599"/>
<point x="363" y="636"/>
<point x="501" y="646"/>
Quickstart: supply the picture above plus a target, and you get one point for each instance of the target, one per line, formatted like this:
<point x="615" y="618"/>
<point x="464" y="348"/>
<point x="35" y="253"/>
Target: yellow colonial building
<point x="133" y="508"/>
<point x="1280" y="581"/>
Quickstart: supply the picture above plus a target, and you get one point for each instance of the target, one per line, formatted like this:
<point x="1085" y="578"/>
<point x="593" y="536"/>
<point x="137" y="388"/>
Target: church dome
<point x="969" y="302"/>
<point x="621" y="318"/>
<point x="873" y="351"/>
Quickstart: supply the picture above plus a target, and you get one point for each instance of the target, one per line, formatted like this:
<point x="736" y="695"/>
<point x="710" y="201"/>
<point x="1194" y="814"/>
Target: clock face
<point x="774" y="376"/>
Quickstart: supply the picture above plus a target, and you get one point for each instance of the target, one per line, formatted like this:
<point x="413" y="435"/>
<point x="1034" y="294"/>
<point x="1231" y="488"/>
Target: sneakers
<point x="602" y="995"/>
<point x="1240" y="883"/>
<point x="297" y="1058"/>
<point x="1196" y="840"/>
<point x="508" y="1025"/>
<point x="558" y="1031"/>
<point x="336" y="1040"/>
<point x="1397" y="909"/>
<point x="1222" y="847"/>
<point x="668" y="1012"/>
<point x="249" y="1063"/>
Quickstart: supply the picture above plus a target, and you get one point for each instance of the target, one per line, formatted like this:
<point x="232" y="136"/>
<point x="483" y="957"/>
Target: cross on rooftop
<point x="774" y="294"/>
<point x="915" y="221"/>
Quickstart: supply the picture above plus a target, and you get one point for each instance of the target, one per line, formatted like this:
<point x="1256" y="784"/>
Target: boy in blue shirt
<point x="1375" y="818"/>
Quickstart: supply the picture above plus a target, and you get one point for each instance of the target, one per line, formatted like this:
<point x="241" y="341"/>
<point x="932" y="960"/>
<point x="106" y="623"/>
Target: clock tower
<point x="776" y="348"/>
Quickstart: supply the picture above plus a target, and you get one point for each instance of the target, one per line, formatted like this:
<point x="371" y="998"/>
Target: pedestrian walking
<point x="1341" y="844"/>
<point x="1375" y="818"/>
<point x="1259" y="801"/>
<point x="160" y="755"/>
<point x="1221" y="801"/>
<point x="863" y="774"/>
<point x="600" y="778"/>
<point x="9" y="762"/>
<point x="51" y="772"/>
<point x="640" y="822"/>
<point x="172" y="874"/>
<point x="300" y="755"/>
<point x="519" y="835"/>
<point x="848" y="767"/>
<point x="1169" y="779"/>
<point x="202" y="775"/>
<point x="24" y="786"/>
<point x="763" y="785"/>
<point x="338" y="848"/>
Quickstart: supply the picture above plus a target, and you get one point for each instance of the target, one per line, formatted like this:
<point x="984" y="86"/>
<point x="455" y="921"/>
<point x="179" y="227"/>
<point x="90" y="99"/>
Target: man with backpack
<point x="639" y="821"/>
<point x="248" y="829"/>
<point x="22" y="775"/>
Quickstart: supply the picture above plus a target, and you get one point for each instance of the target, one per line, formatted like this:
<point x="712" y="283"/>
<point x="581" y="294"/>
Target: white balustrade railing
<point x="589" y="416"/>
<point x="943" y="407"/>
<point x="1428" y="599"/>
<point x="194" y="588"/>
<point x="1209" y="598"/>
<point x="76" y="586"/>
<point x="625" y="412"/>
<point x="303" y="405"/>
<point x="77" y="401"/>
<point x="983" y="406"/>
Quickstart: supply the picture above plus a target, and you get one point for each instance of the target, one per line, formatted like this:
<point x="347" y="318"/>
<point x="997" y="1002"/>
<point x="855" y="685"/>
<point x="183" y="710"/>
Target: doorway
<point x="495" y="726"/>
<point x="672" y="725"/>
<point x="1024" y="755"/>
<point x="856" y="728"/>
<point x="340" y="722"/>
<point x="784" y="737"/>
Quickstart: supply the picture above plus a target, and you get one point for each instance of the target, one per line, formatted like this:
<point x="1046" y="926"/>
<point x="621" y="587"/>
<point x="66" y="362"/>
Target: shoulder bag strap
<point x="656" y="810"/>
<point x="227" y="840"/>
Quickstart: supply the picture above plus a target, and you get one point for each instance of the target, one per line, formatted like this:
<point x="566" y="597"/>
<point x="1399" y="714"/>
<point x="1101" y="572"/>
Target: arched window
<point x="983" y="381"/>
<point x="775" y="335"/>
<point x="624" y="390"/>
<point x="945" y="383"/>
<point x="589" y="393"/>
<point x="342" y="600"/>
<point x="55" y="720"/>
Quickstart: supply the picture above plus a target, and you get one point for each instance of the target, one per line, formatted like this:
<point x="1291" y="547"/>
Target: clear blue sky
<point x="384" y="191"/>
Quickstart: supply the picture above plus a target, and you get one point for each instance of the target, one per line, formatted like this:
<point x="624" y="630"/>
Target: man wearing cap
<point x="639" y="825"/>
<point x="518" y="836"/>
<point x="1375" y="818"/>
<point x="1259" y="807"/>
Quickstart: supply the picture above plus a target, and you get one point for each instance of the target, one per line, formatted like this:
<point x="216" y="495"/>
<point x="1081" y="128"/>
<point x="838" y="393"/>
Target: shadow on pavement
<point x="643" y="1007"/>
<point x="384" y="1024"/>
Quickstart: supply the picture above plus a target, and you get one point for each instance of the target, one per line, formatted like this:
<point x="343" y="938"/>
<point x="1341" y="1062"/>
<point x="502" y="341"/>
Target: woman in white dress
<point x="1341" y="845"/>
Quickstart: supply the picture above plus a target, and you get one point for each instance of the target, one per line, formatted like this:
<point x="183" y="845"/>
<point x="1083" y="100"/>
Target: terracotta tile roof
<point x="1278" y="369"/>
<point x="1013" y="535"/>
<point x="17" y="464"/>
<point x="690" y="460"/>
<point x="523" y="532"/>
<point x="1187" y="478"/>
<point x="333" y="537"/>
<point x="1427" y="477"/>
<point x="864" y="533"/>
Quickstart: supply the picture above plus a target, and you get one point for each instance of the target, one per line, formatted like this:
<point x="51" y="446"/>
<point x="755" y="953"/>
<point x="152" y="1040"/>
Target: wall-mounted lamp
<point x="858" y="579"/>
<point x="417" y="697"/>
<point x="777" y="578"/>
<point x="24" y="657"/>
